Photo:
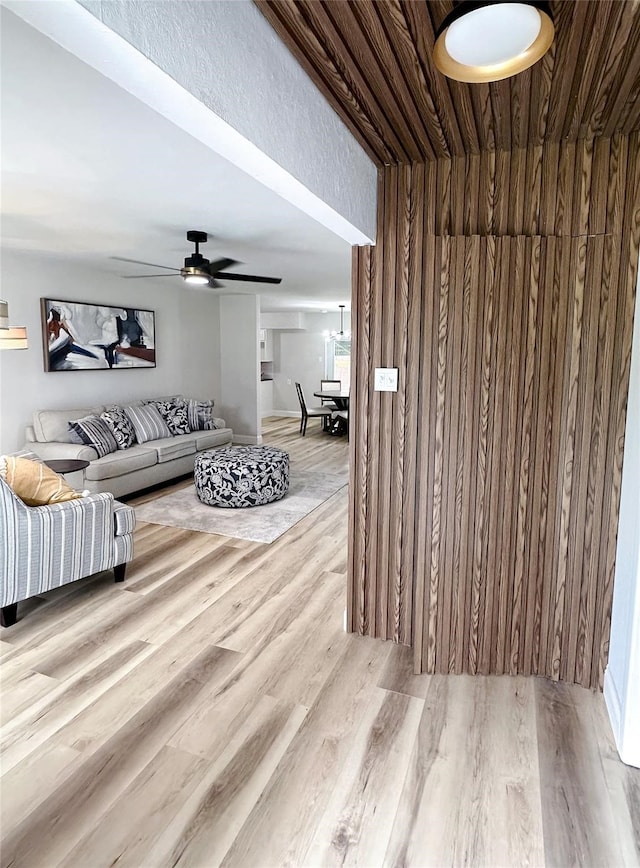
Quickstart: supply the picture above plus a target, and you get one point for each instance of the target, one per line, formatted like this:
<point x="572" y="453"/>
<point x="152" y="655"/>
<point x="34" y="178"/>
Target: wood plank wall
<point x="485" y="492"/>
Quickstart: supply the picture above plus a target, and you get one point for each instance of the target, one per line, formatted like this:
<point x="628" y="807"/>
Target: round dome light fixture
<point x="488" y="40"/>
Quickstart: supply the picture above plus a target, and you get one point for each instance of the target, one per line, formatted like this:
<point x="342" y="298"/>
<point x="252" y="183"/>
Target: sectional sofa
<point x="126" y="470"/>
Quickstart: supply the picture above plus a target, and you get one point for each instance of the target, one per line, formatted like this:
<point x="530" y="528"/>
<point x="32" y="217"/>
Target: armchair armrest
<point x="103" y="502"/>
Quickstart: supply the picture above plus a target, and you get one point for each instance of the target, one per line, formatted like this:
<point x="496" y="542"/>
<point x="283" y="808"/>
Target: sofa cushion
<point x="121" y="462"/>
<point x="175" y="415"/>
<point x="34" y="482"/>
<point x="208" y="439"/>
<point x="172" y="447"/>
<point x="120" y="426"/>
<point x="94" y="431"/>
<point x="53" y="425"/>
<point x="147" y="422"/>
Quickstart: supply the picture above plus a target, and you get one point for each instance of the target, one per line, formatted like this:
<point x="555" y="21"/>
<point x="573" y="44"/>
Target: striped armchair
<point x="44" y="547"/>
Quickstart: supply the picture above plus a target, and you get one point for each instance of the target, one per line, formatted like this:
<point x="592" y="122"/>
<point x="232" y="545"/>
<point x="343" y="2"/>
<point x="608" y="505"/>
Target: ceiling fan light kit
<point x="198" y="271"/>
<point x="489" y="40"/>
<point x="195" y="277"/>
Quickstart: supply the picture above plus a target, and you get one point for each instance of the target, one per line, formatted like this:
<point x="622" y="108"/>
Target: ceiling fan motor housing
<point x="196" y="236"/>
<point x="196" y="260"/>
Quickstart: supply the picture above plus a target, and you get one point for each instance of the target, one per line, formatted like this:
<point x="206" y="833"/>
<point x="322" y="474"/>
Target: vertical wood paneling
<point x="357" y="614"/>
<point x="485" y="492"/>
<point x="619" y="387"/>
<point x="465" y="435"/>
<point x="424" y="609"/>
<point x="387" y="301"/>
<point x="566" y="190"/>
<point x="412" y="391"/>
<point x="400" y="601"/>
<point x="369" y="582"/>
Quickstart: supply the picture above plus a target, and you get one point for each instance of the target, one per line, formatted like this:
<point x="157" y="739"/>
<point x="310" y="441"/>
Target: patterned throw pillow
<point x="94" y="431"/>
<point x="175" y="415"/>
<point x="200" y="415"/>
<point x="147" y="422"/>
<point x="120" y="426"/>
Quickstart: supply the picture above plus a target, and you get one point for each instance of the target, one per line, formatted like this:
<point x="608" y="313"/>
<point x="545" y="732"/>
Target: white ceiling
<point x="89" y="172"/>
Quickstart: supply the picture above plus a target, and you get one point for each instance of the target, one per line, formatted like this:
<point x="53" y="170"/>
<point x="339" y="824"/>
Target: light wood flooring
<point x="211" y="711"/>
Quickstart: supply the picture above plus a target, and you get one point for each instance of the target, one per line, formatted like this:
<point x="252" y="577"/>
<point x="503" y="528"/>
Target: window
<point x="338" y="360"/>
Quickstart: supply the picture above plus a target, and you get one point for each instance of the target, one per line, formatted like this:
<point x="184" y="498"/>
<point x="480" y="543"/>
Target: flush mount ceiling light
<point x="488" y="40"/>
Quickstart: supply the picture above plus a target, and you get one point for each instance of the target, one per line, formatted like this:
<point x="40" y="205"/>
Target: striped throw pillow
<point x="200" y="415"/>
<point x="147" y="423"/>
<point x="94" y="431"/>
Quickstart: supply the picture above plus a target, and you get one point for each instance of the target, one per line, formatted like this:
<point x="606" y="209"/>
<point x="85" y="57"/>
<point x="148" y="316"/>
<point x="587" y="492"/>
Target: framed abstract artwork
<point x="81" y="336"/>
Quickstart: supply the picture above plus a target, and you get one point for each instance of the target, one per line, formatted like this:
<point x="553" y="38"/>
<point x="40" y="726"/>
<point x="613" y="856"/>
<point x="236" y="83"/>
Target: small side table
<point x="67" y="465"/>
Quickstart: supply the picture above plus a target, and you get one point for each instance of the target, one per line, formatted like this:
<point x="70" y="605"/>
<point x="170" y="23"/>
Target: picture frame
<point x="85" y="336"/>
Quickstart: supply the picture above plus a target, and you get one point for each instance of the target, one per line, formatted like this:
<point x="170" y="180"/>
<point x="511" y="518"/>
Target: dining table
<point x="340" y="398"/>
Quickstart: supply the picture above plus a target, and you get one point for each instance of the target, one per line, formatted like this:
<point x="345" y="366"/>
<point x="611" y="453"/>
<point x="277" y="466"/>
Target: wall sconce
<point x="11" y="338"/>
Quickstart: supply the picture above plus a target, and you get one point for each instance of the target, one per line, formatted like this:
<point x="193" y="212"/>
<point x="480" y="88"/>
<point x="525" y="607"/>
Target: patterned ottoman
<point x="241" y="475"/>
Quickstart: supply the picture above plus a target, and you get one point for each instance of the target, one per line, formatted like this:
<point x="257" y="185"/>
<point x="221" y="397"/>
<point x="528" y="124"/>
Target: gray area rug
<point x="307" y="490"/>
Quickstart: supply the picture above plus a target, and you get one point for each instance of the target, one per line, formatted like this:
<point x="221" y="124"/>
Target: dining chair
<point x="341" y="418"/>
<point x="330" y="386"/>
<point x="323" y="413"/>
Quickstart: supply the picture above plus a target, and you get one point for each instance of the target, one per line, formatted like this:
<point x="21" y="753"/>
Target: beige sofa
<point x="127" y="470"/>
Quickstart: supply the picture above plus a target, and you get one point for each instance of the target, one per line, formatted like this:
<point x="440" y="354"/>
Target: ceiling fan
<point x="197" y="270"/>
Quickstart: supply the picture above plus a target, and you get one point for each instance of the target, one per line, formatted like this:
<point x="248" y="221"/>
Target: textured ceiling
<point x="374" y="63"/>
<point x="71" y="138"/>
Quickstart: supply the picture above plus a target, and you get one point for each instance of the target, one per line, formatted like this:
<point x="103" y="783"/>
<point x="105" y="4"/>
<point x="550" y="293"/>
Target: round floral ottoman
<point x="238" y="476"/>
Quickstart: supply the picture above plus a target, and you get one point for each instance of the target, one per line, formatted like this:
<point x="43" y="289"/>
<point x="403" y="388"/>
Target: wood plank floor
<point x="211" y="711"/>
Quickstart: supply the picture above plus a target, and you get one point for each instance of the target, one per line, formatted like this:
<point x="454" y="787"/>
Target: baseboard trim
<point x="247" y="439"/>
<point x="289" y="414"/>
<point x="612" y="701"/>
<point x="627" y="743"/>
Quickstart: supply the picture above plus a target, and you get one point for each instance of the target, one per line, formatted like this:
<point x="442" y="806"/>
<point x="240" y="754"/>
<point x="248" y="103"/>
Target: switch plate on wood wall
<point x="386" y="380"/>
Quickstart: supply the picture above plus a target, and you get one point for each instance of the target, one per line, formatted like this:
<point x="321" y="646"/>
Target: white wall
<point x="622" y="676"/>
<point x="298" y="356"/>
<point x="187" y="342"/>
<point x="240" y="365"/>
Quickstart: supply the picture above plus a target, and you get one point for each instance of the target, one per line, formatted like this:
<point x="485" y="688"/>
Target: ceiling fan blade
<point x="140" y="262"/>
<point x="218" y="264"/>
<point x="144" y="276"/>
<point x="251" y="278"/>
